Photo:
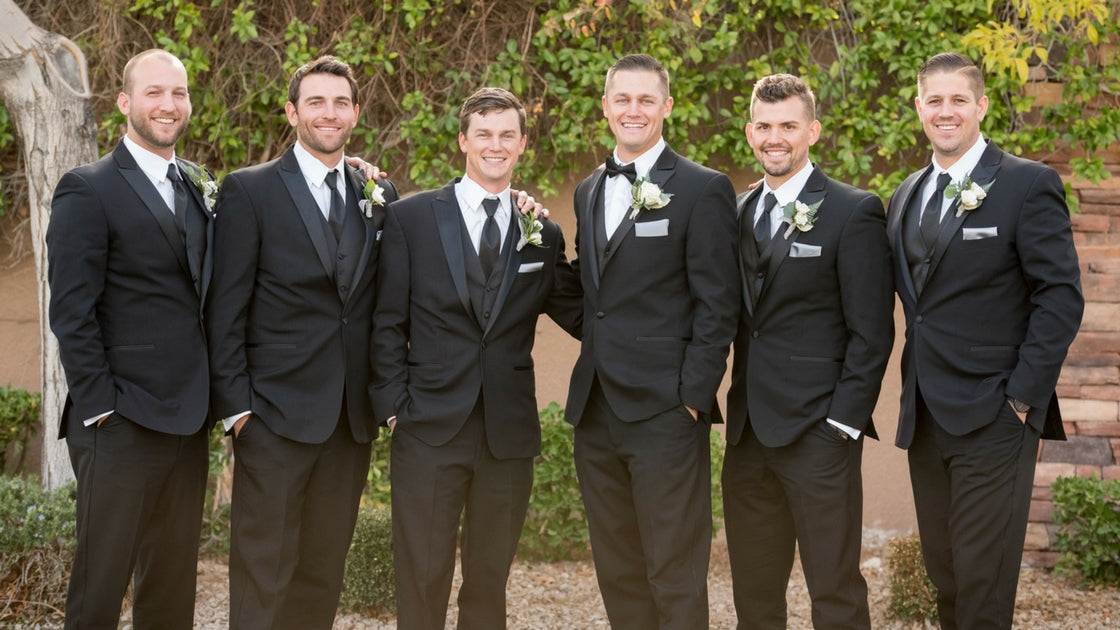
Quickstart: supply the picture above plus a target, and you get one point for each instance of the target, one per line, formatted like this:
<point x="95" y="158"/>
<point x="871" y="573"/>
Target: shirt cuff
<point x="98" y="418"/>
<point x="855" y="433"/>
<point x="227" y="423"/>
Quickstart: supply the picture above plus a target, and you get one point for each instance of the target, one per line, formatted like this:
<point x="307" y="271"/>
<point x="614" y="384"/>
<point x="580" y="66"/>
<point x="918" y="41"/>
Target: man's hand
<point x="695" y="414"/>
<point x="392" y="425"/>
<point x="1020" y="408"/>
<point x="367" y="169"/>
<point x="240" y="423"/>
<point x="755" y="185"/>
<point x="525" y="203"/>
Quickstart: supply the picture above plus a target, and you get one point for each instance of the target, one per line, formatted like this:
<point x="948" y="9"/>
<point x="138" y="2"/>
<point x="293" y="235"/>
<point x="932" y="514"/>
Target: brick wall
<point x="1089" y="387"/>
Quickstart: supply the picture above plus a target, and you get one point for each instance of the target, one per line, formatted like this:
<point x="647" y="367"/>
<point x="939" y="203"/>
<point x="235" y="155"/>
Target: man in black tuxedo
<point x="661" y="298"/>
<point x="815" y="332"/>
<point x="989" y="281"/>
<point x="462" y="279"/>
<point x="289" y="322"/>
<point x="130" y="266"/>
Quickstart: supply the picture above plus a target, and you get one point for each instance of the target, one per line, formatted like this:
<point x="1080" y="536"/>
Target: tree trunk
<point x="45" y="86"/>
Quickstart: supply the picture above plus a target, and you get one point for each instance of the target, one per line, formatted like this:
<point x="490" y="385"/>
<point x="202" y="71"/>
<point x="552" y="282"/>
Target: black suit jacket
<point x="816" y="327"/>
<point x="660" y="308"/>
<point x="432" y="356"/>
<point x="1002" y="300"/>
<point x="126" y="296"/>
<point x="286" y="339"/>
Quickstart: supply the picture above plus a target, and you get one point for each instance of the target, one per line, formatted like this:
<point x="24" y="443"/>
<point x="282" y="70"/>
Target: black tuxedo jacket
<point x="660" y="307"/>
<point x="816" y="327"/>
<point x="1002" y="300"/>
<point x="286" y="338"/>
<point x="432" y="356"/>
<point x="126" y="296"/>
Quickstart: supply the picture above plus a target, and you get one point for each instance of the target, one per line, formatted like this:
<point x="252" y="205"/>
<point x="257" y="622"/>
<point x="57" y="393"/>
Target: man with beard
<point x="815" y="332"/>
<point x="295" y="256"/>
<point x="129" y="272"/>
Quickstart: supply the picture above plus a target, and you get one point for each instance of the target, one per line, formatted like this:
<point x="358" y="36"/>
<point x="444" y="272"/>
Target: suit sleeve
<point x="867" y="299"/>
<point x="77" y="255"/>
<point x="711" y="255"/>
<point x="389" y="359"/>
<point x="236" y="249"/>
<point x="565" y="301"/>
<point x="1048" y="260"/>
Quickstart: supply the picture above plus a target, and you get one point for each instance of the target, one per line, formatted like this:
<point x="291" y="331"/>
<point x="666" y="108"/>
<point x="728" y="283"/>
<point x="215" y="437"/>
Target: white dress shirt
<point x="315" y="172"/>
<point x="617" y="195"/>
<point x="470" y="195"/>
<point x="957" y="172"/>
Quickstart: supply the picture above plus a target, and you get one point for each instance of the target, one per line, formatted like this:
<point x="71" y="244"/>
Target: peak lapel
<point x="780" y="245"/>
<point x="307" y="208"/>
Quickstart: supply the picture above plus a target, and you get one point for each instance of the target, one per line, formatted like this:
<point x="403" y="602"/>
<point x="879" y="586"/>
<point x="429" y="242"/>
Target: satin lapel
<point x="660" y="174"/>
<point x="356" y="184"/>
<point x="983" y="173"/>
<point x="513" y="263"/>
<point x="902" y="268"/>
<point x="446" y="210"/>
<point x="748" y="253"/>
<point x="154" y="203"/>
<point x="308" y="209"/>
<point x="589" y="253"/>
<point x="199" y="220"/>
<point x="780" y="246"/>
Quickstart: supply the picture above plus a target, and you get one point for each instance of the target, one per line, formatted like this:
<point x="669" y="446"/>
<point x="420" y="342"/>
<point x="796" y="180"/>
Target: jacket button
<point x="919" y="319"/>
<point x="600" y="314"/>
<point x="345" y="320"/>
<point x="754" y="335"/>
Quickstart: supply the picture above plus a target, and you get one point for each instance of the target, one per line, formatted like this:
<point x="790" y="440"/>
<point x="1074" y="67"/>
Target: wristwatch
<point x="1018" y="405"/>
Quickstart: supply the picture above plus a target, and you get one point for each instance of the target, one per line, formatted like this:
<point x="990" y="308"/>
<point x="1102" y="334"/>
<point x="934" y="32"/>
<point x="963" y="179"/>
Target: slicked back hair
<point x="953" y="62"/>
<point x="639" y="63"/>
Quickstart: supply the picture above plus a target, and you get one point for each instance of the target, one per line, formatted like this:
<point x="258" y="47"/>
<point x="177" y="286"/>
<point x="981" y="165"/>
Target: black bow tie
<point x="627" y="171"/>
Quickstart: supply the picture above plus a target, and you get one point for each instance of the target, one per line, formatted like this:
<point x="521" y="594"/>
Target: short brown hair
<point x="639" y="63"/>
<point x="779" y="87"/>
<point x="486" y="100"/>
<point x="326" y="64"/>
<point x="953" y="62"/>
<point x="126" y="74"/>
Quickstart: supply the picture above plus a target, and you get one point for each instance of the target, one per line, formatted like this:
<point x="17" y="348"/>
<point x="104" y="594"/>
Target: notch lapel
<point x="780" y="245"/>
<point x="155" y="204"/>
<point x="307" y="208"/>
<point x="906" y="193"/>
<point x="748" y="253"/>
<point x="357" y="183"/>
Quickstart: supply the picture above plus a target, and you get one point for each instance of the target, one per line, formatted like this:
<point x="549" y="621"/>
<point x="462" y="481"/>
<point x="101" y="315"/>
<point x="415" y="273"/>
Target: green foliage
<point x="377" y="492"/>
<point x="913" y="595"/>
<point x="1087" y="512"/>
<point x="19" y="420"/>
<point x="37" y="540"/>
<point x="369" y="579"/>
<point x="555" y="528"/>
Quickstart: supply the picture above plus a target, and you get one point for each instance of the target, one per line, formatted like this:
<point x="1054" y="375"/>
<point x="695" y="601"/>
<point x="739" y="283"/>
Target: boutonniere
<point x="374" y="196"/>
<point x="647" y="196"/>
<point x="207" y="184"/>
<point x="800" y="216"/>
<point x="968" y="193"/>
<point x="530" y="231"/>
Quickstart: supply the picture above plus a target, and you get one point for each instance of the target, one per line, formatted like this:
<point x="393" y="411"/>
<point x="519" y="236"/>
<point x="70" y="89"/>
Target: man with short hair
<point x="815" y="332"/>
<point x="289" y="322"/>
<point x="988" y="277"/>
<point x="462" y="280"/>
<point x="657" y="262"/>
<point x="129" y="269"/>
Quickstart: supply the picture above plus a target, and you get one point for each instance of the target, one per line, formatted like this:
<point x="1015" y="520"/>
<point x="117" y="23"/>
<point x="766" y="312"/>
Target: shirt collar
<point x="314" y="170"/>
<point x="154" y="166"/>
<point x="789" y="190"/>
<point x="473" y="194"/>
<point x="643" y="164"/>
<point x="965" y="164"/>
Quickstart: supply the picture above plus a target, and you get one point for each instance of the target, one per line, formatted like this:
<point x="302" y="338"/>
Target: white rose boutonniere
<point x="800" y="216"/>
<point x="647" y="196"/>
<point x="530" y="231"/>
<point x="207" y="184"/>
<point x="374" y="196"/>
<point x="968" y="193"/>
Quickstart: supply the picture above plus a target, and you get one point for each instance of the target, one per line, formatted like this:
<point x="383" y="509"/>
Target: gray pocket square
<point x="652" y="228"/>
<point x="975" y="234"/>
<point x="801" y="250"/>
<point x="530" y="267"/>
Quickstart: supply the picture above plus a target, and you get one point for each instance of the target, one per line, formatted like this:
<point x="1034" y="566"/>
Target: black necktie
<point x="335" y="217"/>
<point x="490" y="243"/>
<point x="627" y="171"/>
<point x="180" y="189"/>
<point x="762" y="227"/>
<point x="931" y="215"/>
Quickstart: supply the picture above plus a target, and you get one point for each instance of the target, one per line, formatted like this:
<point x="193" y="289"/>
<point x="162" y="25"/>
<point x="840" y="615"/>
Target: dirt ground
<point x="888" y="504"/>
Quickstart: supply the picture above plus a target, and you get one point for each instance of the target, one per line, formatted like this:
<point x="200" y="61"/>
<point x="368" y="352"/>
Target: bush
<point x="1087" y="512"/>
<point x="913" y="595"/>
<point x="19" y="420"/>
<point x="36" y="549"/>
<point x="369" y="579"/>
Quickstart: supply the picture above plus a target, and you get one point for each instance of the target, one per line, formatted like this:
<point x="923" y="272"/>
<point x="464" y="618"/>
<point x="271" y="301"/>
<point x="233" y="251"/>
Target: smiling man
<point x="460" y="286"/>
<point x="815" y="332"/>
<point x="289" y="322"/>
<point x="661" y="298"/>
<point x="988" y="278"/>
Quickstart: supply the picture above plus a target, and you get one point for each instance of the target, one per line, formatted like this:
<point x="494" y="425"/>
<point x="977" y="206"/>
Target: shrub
<point x="19" y="420"/>
<point x="913" y="595"/>
<point x="377" y="492"/>
<point x="36" y="549"/>
<point x="1087" y="512"/>
<point x="369" y="579"/>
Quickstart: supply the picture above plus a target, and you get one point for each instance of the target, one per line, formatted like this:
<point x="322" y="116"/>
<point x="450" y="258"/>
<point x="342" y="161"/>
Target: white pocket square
<point x="377" y="237"/>
<point x="801" y="250"/>
<point x="975" y="234"/>
<point x="530" y="267"/>
<point x="652" y="228"/>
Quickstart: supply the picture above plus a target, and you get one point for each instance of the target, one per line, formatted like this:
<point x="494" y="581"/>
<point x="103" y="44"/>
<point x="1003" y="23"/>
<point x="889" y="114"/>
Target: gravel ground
<point x="564" y="596"/>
